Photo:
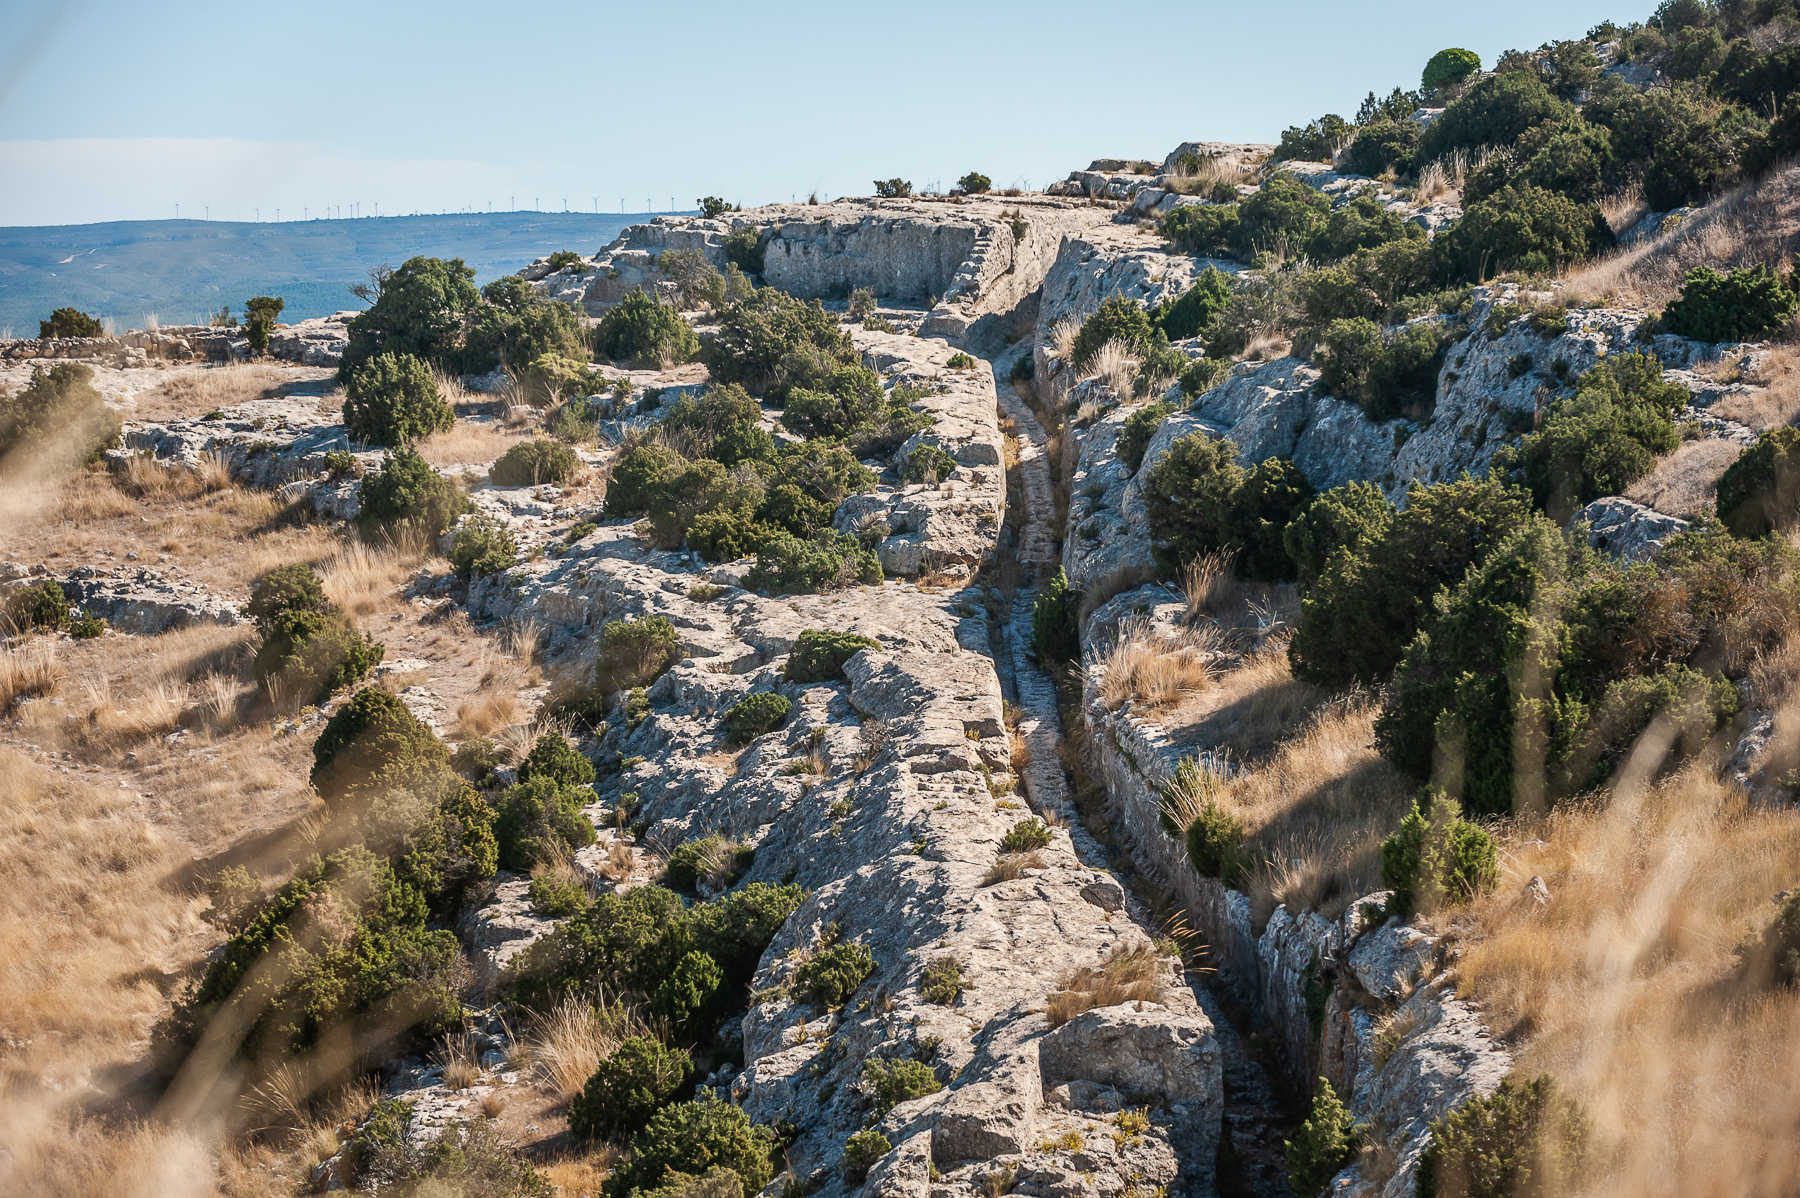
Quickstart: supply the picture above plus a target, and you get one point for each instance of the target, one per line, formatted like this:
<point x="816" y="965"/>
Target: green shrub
<point x="558" y="896"/>
<point x="1745" y="305"/>
<point x="517" y="325"/>
<point x="1055" y="620"/>
<point x="1140" y="426"/>
<point x="1523" y="1139"/>
<point x="482" y="546"/>
<point x="1387" y="376"/>
<point x="1381" y="146"/>
<point x="532" y="462"/>
<point x="848" y="400"/>
<point x="1117" y="319"/>
<point x="1365" y="608"/>
<point x="862" y="1150"/>
<point x="1216" y="844"/>
<point x="1026" y="836"/>
<point x="890" y="1082"/>
<point x="635" y="653"/>
<point x="691" y="995"/>
<point x="307" y="655"/>
<point x="831" y="975"/>
<point x="974" y="183"/>
<point x="260" y="315"/>
<point x="1202" y="375"/>
<point x="1284" y="217"/>
<point x="1347" y="517"/>
<point x="698" y="283"/>
<point x="723" y="423"/>
<point x="1314" y="142"/>
<point x="819" y="654"/>
<point x="1204" y="229"/>
<point x="369" y="743"/>
<point x="1363" y="222"/>
<point x="941" y="981"/>
<point x="729" y="534"/>
<point x="392" y="399"/>
<point x="893" y="189"/>
<point x="537" y="815"/>
<point x="772" y="343"/>
<point x="641" y="330"/>
<point x="421" y="310"/>
<point x="745" y="250"/>
<point x="1572" y="158"/>
<point x="1323" y="1144"/>
<point x="554" y="758"/>
<point x="57" y="419"/>
<point x="408" y="500"/>
<point x="695" y="1137"/>
<point x="293" y="587"/>
<point x="70" y="322"/>
<point x="1436" y="858"/>
<point x="1603" y="438"/>
<point x="1447" y="68"/>
<point x="1686" y="704"/>
<point x="755" y="715"/>
<point x="1520" y="228"/>
<point x="1760" y="492"/>
<point x="641" y="474"/>
<point x="640" y="1078"/>
<point x="1684" y="143"/>
<point x="829" y="561"/>
<point x="38" y="605"/>
<point x="960" y="361"/>
<point x="1191" y="314"/>
<point x="713" y="858"/>
<point x="85" y="627"/>
<point x="1495" y="112"/>
<point x="928" y="464"/>
<point x="1200" y="501"/>
<point x="562" y="260"/>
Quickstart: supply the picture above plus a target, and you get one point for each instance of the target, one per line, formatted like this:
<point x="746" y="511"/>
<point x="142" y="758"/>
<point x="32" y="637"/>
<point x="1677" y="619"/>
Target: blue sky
<point x="113" y="110"/>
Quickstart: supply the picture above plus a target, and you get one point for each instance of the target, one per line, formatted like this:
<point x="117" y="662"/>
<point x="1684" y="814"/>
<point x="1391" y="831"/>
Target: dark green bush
<point x="831" y="975"/>
<point x="772" y="343"/>
<point x="558" y="896"/>
<point x="1382" y="145"/>
<point x="1285" y="217"/>
<point x="641" y="474"/>
<point x="941" y="981"/>
<point x="369" y="744"/>
<point x="1055" y="616"/>
<point x="974" y="183"/>
<point x="307" y="655"/>
<point x="928" y="464"/>
<point x="537" y="815"/>
<point x="260" y="315"/>
<point x="1495" y="112"/>
<point x="691" y="996"/>
<point x="642" y="331"/>
<point x="1216" y="844"/>
<point x="1387" y="376"/>
<point x="40" y="605"/>
<point x="755" y="715"/>
<point x="1436" y="858"/>
<point x="407" y="500"/>
<point x="1522" y="1141"/>
<point x="830" y="561"/>
<point x="1191" y="314"/>
<point x="392" y="399"/>
<point x="562" y="260"/>
<point x="1447" y="68"/>
<point x="57" y="419"/>
<point x="640" y="1078"/>
<point x="1604" y="437"/>
<point x="723" y="423"/>
<point x="862" y="1150"/>
<point x="1365" y="608"/>
<point x="1117" y="319"/>
<point x="517" y="325"/>
<point x="1323" y="1144"/>
<point x="893" y="189"/>
<point x="700" y="487"/>
<point x="1773" y="958"/>
<point x="1139" y="427"/>
<point x="1364" y="222"/>
<point x="695" y="1137"/>
<point x="1314" y="142"/>
<point x="819" y="654"/>
<point x="1760" y="492"/>
<point x="1683" y="143"/>
<point x="890" y="1082"/>
<point x="481" y="546"/>
<point x="1520" y="228"/>
<point x="293" y="587"/>
<point x="70" y="322"/>
<point x="698" y="283"/>
<point x="1200" y="500"/>
<point x="1026" y="836"/>
<point x="532" y="462"/>
<point x="1204" y="229"/>
<point x="745" y="250"/>
<point x="421" y="310"/>
<point x="635" y="653"/>
<point x="1572" y="158"/>
<point x="85" y="627"/>
<point x="1347" y="517"/>
<point x="1745" y="305"/>
<point x="1202" y="375"/>
<point x="711" y="857"/>
<point x="554" y="758"/>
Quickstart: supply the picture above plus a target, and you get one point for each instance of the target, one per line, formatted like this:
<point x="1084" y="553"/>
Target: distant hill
<point x="180" y="271"/>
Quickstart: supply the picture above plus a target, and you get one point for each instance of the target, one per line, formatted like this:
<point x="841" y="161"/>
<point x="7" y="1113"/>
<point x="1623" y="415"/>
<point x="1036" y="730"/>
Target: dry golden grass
<point x="1156" y="667"/>
<point x="1135" y="973"/>
<point x="1444" y="178"/>
<point x="1211" y="173"/>
<point x="144" y="477"/>
<point x="195" y="391"/>
<point x="28" y="670"/>
<point x="1752" y="224"/>
<point x="1625" y="988"/>
<point x="1009" y="866"/>
<point x="1773" y="375"/>
<point x="1062" y="338"/>
<point x="1117" y="365"/>
<point x="1625" y="208"/>
<point x="567" y="1043"/>
<point x="469" y="442"/>
<point x="1685" y="483"/>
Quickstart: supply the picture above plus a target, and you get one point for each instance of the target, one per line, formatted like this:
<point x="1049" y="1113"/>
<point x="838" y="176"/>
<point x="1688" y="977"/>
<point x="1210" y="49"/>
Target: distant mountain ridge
<point x="180" y="271"/>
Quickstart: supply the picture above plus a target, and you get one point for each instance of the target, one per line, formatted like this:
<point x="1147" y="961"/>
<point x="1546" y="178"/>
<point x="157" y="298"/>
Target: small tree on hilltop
<point x="259" y="320"/>
<point x="712" y="206"/>
<point x="1449" y="67"/>
<point x="893" y="189"/>
<point x="974" y="183"/>
<point x="69" y="322"/>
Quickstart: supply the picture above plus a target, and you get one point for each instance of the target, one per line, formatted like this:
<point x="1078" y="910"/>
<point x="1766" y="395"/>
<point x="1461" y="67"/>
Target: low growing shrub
<point x="532" y="462"/>
<point x="1323" y="1144"/>
<point x="393" y="400"/>
<point x="307" y="655"/>
<point x="819" y="654"/>
<point x="640" y="1078"/>
<point x="407" y="499"/>
<point x="1436" y="858"/>
<point x="1055" y="620"/>
<point x="695" y="1138"/>
<point x="1140" y="426"/>
<point x="57" y="419"/>
<point x="1745" y="305"/>
<point x="482" y="546"/>
<point x="1523" y="1139"/>
<point x="831" y="975"/>
<point x="1025" y="836"/>
<point x="829" y="561"/>
<point x="642" y="331"/>
<point x="634" y="653"/>
<point x="1760" y="492"/>
<point x="890" y="1082"/>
